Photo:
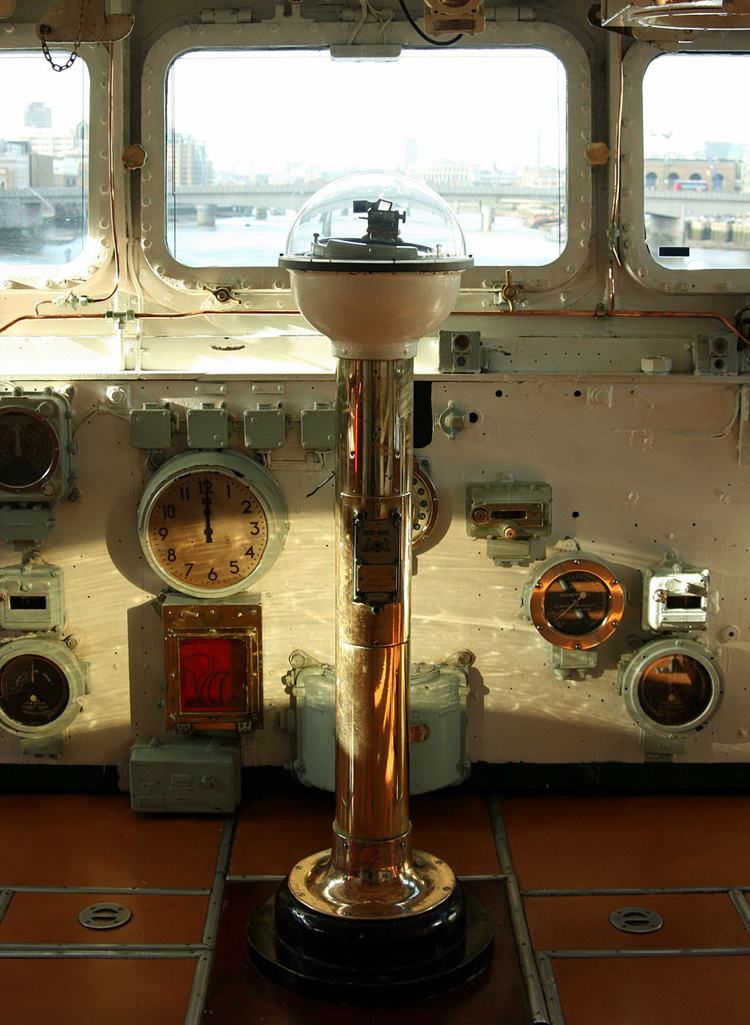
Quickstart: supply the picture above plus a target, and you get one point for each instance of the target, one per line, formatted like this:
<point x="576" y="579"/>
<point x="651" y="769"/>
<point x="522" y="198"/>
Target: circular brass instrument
<point x="424" y="505"/>
<point x="576" y="603"/>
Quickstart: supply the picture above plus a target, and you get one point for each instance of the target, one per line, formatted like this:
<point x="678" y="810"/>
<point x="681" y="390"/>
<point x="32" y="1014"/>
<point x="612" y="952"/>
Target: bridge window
<point x="237" y="171"/>
<point x="44" y="162"/>
<point x="700" y="149"/>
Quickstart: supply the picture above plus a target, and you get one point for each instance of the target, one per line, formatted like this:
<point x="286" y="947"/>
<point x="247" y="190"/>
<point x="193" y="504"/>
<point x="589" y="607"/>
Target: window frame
<point x="297" y="32"/>
<point x="98" y="244"/>
<point x="636" y="256"/>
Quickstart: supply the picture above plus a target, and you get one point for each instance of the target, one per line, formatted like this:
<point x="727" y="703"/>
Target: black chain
<point x="45" y="30"/>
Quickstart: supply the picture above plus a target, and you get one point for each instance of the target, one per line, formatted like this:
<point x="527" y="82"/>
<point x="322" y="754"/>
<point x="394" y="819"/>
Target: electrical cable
<point x="423" y="35"/>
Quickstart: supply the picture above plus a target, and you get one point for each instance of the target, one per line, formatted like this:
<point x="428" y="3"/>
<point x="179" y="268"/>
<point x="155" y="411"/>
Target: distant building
<point x="37" y="115"/>
<point x="443" y="173"/>
<point x="21" y="168"/>
<point x="717" y="175"/>
<point x="187" y="163"/>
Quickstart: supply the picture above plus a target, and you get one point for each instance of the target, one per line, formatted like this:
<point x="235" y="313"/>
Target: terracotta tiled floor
<point x="77" y="991"/>
<point x="49" y="839"/>
<point x="576" y="845"/>
<point x="53" y="918"/>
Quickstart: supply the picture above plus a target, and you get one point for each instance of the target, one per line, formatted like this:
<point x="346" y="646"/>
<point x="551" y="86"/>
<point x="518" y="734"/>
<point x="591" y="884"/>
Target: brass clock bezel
<point x="233" y="465"/>
<point x="578" y="642"/>
<point x="420" y="535"/>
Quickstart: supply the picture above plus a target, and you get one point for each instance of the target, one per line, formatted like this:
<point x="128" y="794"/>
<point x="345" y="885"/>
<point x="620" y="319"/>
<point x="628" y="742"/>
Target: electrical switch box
<point x="194" y="776"/>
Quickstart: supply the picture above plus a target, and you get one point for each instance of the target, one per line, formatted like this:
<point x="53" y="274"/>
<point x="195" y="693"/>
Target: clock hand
<point x="207" y="532"/>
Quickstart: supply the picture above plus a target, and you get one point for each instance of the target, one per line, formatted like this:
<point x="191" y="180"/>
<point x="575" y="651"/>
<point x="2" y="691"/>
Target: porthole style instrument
<point x="671" y="686"/>
<point x="576" y="603"/>
<point x="29" y="450"/>
<point x="210" y="523"/>
<point x="41" y="684"/>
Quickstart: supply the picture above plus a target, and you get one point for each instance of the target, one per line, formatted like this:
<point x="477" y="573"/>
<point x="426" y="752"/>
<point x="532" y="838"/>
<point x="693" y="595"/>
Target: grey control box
<point x="185" y="776"/>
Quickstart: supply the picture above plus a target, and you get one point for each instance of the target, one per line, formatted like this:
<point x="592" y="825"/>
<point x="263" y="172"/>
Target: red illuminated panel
<point x="213" y="674"/>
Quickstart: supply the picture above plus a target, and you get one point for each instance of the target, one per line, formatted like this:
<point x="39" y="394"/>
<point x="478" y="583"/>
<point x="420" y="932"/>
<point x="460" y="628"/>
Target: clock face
<point x="206" y="531"/>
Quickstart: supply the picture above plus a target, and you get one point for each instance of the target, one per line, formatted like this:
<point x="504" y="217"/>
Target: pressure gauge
<point x="670" y="686"/>
<point x="41" y="684"/>
<point x="424" y="504"/>
<point x="575" y="602"/>
<point x="210" y="523"/>
<point x="29" y="450"/>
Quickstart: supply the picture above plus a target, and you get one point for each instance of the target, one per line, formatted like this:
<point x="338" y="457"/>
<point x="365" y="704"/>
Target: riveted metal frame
<point x="22" y="38"/>
<point x="213" y="622"/>
<point x="637" y="258"/>
<point x="632" y="671"/>
<point x="296" y="32"/>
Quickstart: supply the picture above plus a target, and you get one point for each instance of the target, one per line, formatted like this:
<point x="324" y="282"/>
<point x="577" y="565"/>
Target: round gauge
<point x="209" y="523"/>
<point x="41" y="684"/>
<point x="576" y="603"/>
<point x="29" y="449"/>
<point x="424" y="505"/>
<point x="671" y="686"/>
<point x="34" y="691"/>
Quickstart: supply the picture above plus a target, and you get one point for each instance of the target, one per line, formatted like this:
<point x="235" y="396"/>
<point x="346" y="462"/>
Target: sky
<point x="258" y="113"/>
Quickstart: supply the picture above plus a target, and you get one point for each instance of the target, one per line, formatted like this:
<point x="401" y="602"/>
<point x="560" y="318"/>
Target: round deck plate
<point x="638" y="920"/>
<point x="104" y="916"/>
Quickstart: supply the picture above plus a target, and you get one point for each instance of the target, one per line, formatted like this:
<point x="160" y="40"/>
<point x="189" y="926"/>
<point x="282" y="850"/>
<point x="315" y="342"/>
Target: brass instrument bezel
<point x="230" y="621"/>
<point x="421" y="532"/>
<point x="579" y="642"/>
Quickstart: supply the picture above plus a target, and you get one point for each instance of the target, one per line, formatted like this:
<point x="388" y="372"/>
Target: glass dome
<point x="381" y="219"/>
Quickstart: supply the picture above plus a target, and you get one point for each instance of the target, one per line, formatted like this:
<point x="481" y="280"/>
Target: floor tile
<point x="456" y="827"/>
<point x="582" y="923"/>
<point x="277" y="830"/>
<point x="97" y="840"/>
<point x="74" y="991"/>
<point x="240" y="995"/>
<point x="608" y="842"/>
<point x="53" y="918"/>
<point x="654" y="991"/>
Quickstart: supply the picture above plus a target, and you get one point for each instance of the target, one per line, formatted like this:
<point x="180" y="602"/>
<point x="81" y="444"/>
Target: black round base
<point x="367" y="961"/>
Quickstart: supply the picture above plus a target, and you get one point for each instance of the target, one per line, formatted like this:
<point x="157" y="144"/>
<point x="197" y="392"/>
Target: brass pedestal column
<point x="371" y="919"/>
<point x="371" y="871"/>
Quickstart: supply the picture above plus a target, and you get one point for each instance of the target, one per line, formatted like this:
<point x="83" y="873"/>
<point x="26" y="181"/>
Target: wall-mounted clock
<point x="211" y="523"/>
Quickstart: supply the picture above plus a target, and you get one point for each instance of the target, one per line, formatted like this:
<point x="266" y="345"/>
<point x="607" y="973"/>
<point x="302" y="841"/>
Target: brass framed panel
<point x="602" y="585"/>
<point x="213" y="666"/>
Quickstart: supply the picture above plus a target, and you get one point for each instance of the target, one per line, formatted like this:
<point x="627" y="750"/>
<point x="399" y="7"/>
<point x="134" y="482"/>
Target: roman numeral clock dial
<point x="211" y="524"/>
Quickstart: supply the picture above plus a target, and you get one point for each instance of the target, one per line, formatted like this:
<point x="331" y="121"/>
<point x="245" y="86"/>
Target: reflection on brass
<point x="577" y="604"/>
<point x="371" y="871"/>
<point x="134" y="156"/>
<point x="213" y="666"/>
<point x="675" y="690"/>
<point x="371" y="880"/>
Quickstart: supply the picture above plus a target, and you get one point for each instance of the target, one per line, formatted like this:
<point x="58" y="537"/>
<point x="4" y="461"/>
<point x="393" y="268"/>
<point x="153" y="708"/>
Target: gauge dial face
<point x="576" y="603"/>
<point x="206" y="530"/>
<point x="424" y="506"/>
<point x="675" y="690"/>
<point x="34" y="690"/>
<point x="29" y="449"/>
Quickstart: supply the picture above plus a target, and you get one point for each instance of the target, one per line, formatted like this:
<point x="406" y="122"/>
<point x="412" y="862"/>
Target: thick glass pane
<point x="251" y="135"/>
<point x="44" y="156"/>
<point x="697" y="160"/>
